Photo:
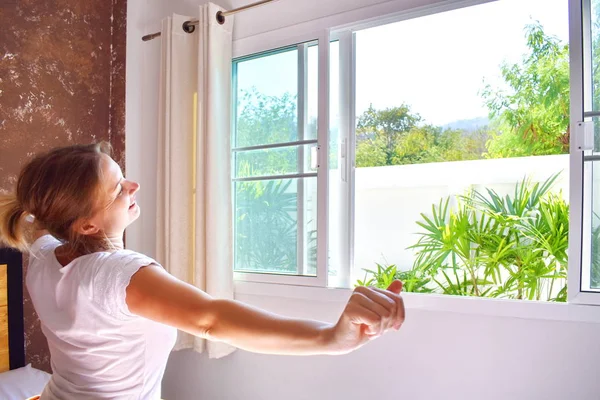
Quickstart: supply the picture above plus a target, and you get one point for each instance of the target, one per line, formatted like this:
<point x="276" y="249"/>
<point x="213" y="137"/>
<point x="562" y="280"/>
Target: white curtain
<point x="194" y="206"/>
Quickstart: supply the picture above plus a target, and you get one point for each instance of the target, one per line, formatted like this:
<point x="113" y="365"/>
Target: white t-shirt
<point x="99" y="350"/>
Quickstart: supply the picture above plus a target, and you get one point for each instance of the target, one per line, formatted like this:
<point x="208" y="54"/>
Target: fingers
<point x="382" y="309"/>
<point x="395" y="286"/>
<point x="387" y="306"/>
<point x="367" y="312"/>
<point x="362" y="311"/>
<point x="399" y="312"/>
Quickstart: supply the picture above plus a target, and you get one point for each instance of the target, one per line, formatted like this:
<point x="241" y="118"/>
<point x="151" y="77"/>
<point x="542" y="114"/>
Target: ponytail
<point x="58" y="188"/>
<point x="12" y="216"/>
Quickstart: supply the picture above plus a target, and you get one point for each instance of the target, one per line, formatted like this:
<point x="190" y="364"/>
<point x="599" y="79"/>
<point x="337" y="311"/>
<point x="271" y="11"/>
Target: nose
<point x="133" y="187"/>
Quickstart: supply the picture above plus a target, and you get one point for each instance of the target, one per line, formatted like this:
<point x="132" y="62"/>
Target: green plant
<point x="381" y="278"/>
<point x="414" y="280"/>
<point x="266" y="228"/>
<point x="489" y="245"/>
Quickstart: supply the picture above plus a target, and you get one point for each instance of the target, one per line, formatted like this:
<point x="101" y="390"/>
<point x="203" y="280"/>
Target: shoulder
<point x="111" y="273"/>
<point x="125" y="258"/>
<point x="43" y="244"/>
<point x="115" y="268"/>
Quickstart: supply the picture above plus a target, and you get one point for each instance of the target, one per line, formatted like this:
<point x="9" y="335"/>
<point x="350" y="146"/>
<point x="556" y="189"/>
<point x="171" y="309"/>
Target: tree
<point x="430" y="143"/>
<point x="266" y="119"/>
<point x="532" y="116"/>
<point x="263" y="120"/>
<point x="394" y="136"/>
<point x="378" y="133"/>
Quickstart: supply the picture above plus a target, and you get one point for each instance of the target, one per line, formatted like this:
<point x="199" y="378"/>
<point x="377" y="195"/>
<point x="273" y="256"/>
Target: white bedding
<point x="22" y="383"/>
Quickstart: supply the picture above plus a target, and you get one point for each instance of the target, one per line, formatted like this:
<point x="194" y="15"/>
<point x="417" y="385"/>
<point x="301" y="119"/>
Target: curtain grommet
<point x="188" y="27"/>
<point x="220" y="18"/>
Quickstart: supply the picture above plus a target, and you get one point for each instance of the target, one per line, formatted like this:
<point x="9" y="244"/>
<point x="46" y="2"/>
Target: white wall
<point x="436" y="355"/>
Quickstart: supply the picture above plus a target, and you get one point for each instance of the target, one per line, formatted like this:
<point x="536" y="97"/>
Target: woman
<point x="110" y="315"/>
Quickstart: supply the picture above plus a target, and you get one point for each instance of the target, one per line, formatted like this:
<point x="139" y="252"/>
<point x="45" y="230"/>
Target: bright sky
<point x="436" y="64"/>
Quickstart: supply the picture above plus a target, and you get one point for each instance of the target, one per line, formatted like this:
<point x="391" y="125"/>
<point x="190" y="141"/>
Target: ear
<point x="86" y="227"/>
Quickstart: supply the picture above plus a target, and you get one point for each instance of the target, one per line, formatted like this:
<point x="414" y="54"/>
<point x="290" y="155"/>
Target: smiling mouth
<point x="132" y="205"/>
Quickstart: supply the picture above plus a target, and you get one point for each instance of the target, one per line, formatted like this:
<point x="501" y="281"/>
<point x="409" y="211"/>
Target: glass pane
<point x="594" y="273"/>
<point x="275" y="161"/>
<point x="462" y="146"/>
<point x="590" y="279"/>
<point x="338" y="188"/>
<point x="596" y="124"/>
<point x="266" y="97"/>
<point x="268" y="92"/>
<point x="312" y="75"/>
<point x="509" y="98"/>
<point x="275" y="226"/>
<point x="334" y="104"/>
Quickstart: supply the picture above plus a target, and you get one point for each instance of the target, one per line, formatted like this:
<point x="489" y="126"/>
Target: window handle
<point x="314" y="157"/>
<point x="584" y="135"/>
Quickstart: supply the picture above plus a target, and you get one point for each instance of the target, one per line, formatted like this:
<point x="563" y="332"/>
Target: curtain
<point x="194" y="205"/>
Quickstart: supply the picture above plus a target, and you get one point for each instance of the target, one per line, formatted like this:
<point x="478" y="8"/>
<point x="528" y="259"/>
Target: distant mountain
<point x="468" y="124"/>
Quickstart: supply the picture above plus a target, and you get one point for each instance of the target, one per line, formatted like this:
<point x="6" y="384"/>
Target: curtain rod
<point x="190" y="26"/>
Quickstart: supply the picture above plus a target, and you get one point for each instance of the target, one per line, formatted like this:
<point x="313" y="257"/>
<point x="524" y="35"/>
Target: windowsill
<point x="439" y="303"/>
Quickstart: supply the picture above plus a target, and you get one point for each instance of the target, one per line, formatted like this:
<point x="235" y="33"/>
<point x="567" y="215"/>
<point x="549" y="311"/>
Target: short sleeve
<point x="112" y="276"/>
<point x="43" y="244"/>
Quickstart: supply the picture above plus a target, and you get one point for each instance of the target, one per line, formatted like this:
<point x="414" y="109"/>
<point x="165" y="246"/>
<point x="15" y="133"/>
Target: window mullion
<point x="345" y="220"/>
<point x="275" y="145"/>
<point x="323" y="164"/>
<point x="302" y="124"/>
<point x="276" y="177"/>
<point x="351" y="162"/>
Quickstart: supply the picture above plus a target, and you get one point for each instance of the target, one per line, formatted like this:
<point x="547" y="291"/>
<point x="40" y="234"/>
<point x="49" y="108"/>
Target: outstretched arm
<point x="156" y="295"/>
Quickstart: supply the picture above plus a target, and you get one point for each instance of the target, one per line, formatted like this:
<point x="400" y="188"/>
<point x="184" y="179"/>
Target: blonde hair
<point x="57" y="189"/>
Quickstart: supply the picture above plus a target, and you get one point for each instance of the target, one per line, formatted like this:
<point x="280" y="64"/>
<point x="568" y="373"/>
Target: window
<point x="448" y="154"/>
<point x="458" y="155"/>
<point x="584" y="278"/>
<point x="275" y="162"/>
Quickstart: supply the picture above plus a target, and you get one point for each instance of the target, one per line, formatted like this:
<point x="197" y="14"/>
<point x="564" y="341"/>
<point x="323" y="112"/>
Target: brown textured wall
<point x="62" y="81"/>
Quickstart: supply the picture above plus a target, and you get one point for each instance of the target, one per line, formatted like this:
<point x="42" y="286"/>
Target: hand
<point x="370" y="313"/>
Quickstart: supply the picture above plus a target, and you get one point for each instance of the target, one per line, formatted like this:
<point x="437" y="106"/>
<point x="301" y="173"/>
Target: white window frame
<point x="322" y="142"/>
<point x="342" y="27"/>
<point x="580" y="171"/>
<point x="347" y="137"/>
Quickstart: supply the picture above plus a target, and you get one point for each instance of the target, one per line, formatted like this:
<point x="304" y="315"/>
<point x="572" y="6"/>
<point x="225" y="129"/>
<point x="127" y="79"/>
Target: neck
<point x="116" y="240"/>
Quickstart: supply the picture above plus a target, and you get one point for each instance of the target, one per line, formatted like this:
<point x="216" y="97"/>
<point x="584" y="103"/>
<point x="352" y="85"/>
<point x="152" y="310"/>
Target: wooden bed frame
<point x="12" y="340"/>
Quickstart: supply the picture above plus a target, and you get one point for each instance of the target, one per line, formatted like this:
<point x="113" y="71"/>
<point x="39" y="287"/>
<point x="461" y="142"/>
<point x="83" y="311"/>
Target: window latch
<point x="584" y="138"/>
<point x="314" y="157"/>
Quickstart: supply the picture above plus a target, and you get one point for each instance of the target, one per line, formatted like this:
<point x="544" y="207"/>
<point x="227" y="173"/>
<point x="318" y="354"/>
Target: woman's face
<point x="118" y="206"/>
